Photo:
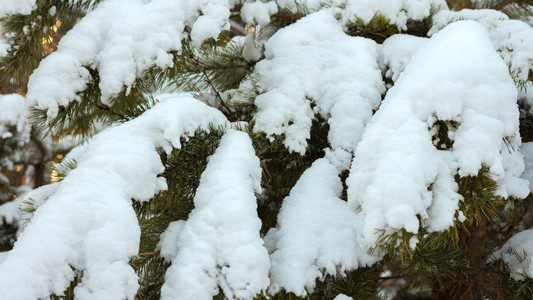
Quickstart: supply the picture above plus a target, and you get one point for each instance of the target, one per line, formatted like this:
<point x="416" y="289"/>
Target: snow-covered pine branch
<point x="89" y="224"/>
<point x="358" y="126"/>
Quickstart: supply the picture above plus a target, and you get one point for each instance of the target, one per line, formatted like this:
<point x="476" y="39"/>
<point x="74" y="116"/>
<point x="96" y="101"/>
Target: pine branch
<point x="503" y="4"/>
<point x="183" y="165"/>
<point x="229" y="113"/>
<point x="108" y="110"/>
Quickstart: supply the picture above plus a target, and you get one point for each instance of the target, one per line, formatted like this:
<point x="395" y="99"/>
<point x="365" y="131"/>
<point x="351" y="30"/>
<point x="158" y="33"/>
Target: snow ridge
<point x="314" y="62"/>
<point x="512" y="39"/>
<point x="219" y="245"/>
<point x="398" y="174"/>
<point x="121" y="39"/>
<point x="317" y="234"/>
<point x="89" y="223"/>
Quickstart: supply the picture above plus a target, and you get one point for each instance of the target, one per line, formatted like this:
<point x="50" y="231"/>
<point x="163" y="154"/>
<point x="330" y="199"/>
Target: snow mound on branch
<point x="398" y="174"/>
<point x="168" y="242"/>
<point x="258" y="12"/>
<point x="397" y="51"/>
<point x="527" y="151"/>
<point x="72" y="157"/>
<point x="219" y="245"/>
<point x="396" y="12"/>
<point x="121" y="39"/>
<point x="89" y="223"/>
<point x="301" y="6"/>
<point x="517" y="253"/>
<point x="317" y="234"/>
<point x="314" y="61"/>
<point x="513" y="39"/>
<point x="11" y="114"/>
<point x="9" y="212"/>
<point x="11" y="7"/>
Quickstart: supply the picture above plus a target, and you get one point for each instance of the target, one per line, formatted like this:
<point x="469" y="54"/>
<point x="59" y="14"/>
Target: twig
<point x="185" y="164"/>
<point x="217" y="94"/>
<point x="384" y="278"/>
<point x="107" y="109"/>
<point x="237" y="28"/>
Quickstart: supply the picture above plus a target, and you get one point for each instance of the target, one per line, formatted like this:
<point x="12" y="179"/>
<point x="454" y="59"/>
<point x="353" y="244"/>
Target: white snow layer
<point x="513" y="39"/>
<point x="219" y="245"/>
<point x="89" y="223"/>
<point x="396" y="12"/>
<point x="517" y="253"/>
<point x="11" y="114"/>
<point x="9" y="212"/>
<point x="317" y="234"/>
<point x="258" y="12"/>
<point x="342" y="297"/>
<point x="11" y="7"/>
<point x="168" y="243"/>
<point x="121" y="39"/>
<point x="397" y="51"/>
<point x="314" y="61"/>
<point x="398" y="174"/>
<point x="70" y="160"/>
<point x="527" y="150"/>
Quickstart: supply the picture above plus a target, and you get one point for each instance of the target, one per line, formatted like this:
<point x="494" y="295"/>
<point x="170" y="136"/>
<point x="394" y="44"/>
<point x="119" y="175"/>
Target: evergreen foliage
<point x="456" y="263"/>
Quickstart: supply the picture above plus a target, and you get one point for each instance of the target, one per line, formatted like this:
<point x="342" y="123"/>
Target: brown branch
<point x="286" y="15"/>
<point x="237" y="28"/>
<point x="217" y="94"/>
<point x="462" y="4"/>
<point x="503" y="4"/>
<point x="108" y="110"/>
<point x="384" y="278"/>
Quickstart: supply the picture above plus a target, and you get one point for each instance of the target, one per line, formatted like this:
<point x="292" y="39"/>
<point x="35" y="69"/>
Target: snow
<point x="11" y="114"/>
<point x="9" y="212"/>
<point x="301" y="6"/>
<point x="314" y="62"/>
<point x="64" y="167"/>
<point x="89" y="223"/>
<point x="4" y="47"/>
<point x="10" y="7"/>
<point x="36" y="198"/>
<point x="397" y="51"/>
<point x="513" y="39"/>
<point x="398" y="175"/>
<point x="527" y="150"/>
<point x="168" y="244"/>
<point x="258" y="12"/>
<point x="3" y="256"/>
<point x="121" y="39"/>
<point x="396" y="12"/>
<point x="219" y="245"/>
<point x="516" y="253"/>
<point x="317" y="233"/>
<point x="342" y="297"/>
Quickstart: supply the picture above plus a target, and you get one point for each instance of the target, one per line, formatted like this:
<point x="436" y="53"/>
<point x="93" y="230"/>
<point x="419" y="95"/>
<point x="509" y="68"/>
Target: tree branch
<point x="108" y="110"/>
<point x="503" y="4"/>
<point x="217" y="94"/>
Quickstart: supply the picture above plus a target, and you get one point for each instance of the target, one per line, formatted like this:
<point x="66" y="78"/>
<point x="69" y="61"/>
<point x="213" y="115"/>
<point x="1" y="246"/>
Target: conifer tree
<point x="235" y="149"/>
